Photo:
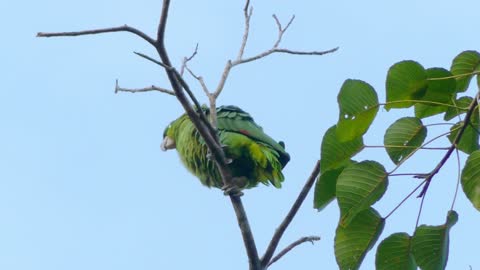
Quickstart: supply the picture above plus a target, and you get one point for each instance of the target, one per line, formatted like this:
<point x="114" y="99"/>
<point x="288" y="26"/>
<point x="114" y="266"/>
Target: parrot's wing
<point x="233" y="119"/>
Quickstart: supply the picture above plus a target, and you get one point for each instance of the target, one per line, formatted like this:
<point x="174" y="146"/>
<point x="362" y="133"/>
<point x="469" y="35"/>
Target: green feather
<point x="255" y="155"/>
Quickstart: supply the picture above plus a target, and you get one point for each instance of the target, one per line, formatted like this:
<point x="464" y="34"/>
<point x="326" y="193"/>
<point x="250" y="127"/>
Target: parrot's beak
<point x="168" y="143"/>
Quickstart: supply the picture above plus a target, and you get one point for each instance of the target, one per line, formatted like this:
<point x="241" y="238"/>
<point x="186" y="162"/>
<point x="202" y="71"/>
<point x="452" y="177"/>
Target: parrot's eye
<point x="166" y="129"/>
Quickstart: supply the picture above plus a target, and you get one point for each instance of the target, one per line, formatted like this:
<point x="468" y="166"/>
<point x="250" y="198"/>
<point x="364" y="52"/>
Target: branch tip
<point x="300" y="241"/>
<point x="116" y="86"/>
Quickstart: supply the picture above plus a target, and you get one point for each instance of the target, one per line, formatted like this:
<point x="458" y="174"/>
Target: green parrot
<point x="254" y="156"/>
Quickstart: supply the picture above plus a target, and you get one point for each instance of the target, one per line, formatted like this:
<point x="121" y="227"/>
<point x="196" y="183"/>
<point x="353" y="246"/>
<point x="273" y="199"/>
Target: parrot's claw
<point x="235" y="187"/>
<point x="231" y="190"/>
<point x="209" y="155"/>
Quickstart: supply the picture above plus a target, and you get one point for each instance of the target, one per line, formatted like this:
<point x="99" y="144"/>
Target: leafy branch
<point x="455" y="142"/>
<point x="358" y="185"/>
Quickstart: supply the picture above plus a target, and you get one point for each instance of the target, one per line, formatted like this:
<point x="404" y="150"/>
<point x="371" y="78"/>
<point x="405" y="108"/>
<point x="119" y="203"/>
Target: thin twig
<point x="202" y="115"/>
<point x="188" y="59"/>
<point x="415" y="150"/>
<point x="274" y="49"/>
<point x="421" y="206"/>
<point x="124" y="28"/>
<point x="153" y="60"/>
<point x="223" y="79"/>
<point x="247" y="15"/>
<point x="455" y="142"/>
<point x="145" y="89"/>
<point x="289" y="217"/>
<point x="281" y="30"/>
<point x="458" y="179"/>
<point x="185" y="87"/>
<point x="228" y="66"/>
<point x="300" y="241"/>
<point x="404" y="199"/>
<point x="277" y="50"/>
<point x="200" y="80"/>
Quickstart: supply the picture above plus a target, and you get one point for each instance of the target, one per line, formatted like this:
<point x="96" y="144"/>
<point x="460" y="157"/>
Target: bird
<point x="253" y="156"/>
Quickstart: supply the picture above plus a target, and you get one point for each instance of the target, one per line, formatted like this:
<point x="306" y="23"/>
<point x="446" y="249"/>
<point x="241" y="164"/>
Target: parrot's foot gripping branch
<point x="235" y="188"/>
<point x="232" y="190"/>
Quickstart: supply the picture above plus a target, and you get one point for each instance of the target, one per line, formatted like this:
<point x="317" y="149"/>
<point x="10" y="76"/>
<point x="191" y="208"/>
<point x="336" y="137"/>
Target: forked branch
<point x="272" y="246"/>
<point x="275" y="48"/>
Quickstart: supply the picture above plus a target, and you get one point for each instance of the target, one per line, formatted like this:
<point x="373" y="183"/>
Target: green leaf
<point x="353" y="242"/>
<point x="394" y="253"/>
<point x="461" y="104"/>
<point x="442" y="90"/>
<point x="465" y="63"/>
<point x="430" y="244"/>
<point x="471" y="179"/>
<point x="438" y="91"/>
<point x="469" y="141"/>
<point x="424" y="111"/>
<point x="403" y="137"/>
<point x="326" y="185"/>
<point x="406" y="80"/>
<point x="335" y="153"/>
<point x="358" y="187"/>
<point x="358" y="103"/>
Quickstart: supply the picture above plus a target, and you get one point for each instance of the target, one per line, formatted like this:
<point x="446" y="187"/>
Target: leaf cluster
<point x="358" y="185"/>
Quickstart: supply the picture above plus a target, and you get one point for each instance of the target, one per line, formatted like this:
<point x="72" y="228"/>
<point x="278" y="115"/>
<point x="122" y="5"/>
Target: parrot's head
<point x="168" y="138"/>
<point x="172" y="132"/>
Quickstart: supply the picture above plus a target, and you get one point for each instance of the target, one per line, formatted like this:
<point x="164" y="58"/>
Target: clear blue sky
<point x="84" y="185"/>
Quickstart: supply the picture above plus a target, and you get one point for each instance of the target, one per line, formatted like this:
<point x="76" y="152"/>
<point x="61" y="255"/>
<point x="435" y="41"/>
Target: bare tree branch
<point x="291" y="214"/>
<point x="124" y="28"/>
<point x="187" y="59"/>
<point x="281" y="30"/>
<point x="212" y="99"/>
<point x="275" y="48"/>
<point x="200" y="80"/>
<point x="247" y="15"/>
<point x="145" y="89"/>
<point x="153" y="60"/>
<point x="185" y="87"/>
<point x="212" y="143"/>
<point x="300" y="241"/>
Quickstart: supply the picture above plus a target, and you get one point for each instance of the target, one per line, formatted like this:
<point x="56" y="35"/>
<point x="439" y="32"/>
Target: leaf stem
<point x="423" y="102"/>
<point x="406" y="147"/>
<point x="454" y="76"/>
<point x="404" y="199"/>
<point x="458" y="180"/>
